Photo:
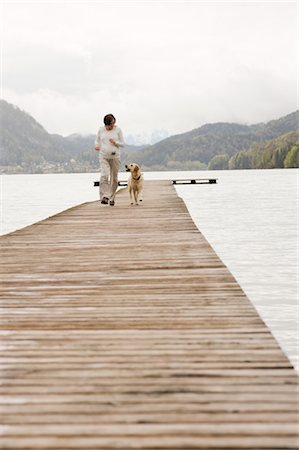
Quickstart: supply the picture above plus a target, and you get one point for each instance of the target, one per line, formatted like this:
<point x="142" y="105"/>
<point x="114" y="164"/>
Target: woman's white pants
<point x="109" y="177"/>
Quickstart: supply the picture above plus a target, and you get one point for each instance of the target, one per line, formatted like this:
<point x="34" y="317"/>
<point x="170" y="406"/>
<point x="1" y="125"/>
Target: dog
<point x="135" y="183"/>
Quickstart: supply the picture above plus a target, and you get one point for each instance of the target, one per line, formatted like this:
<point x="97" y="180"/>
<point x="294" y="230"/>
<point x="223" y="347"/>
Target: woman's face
<point x="110" y="127"/>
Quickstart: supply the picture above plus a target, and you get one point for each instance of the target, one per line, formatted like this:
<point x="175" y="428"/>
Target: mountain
<point x="74" y="144"/>
<point x="26" y="147"/>
<point x="196" y="148"/>
<point x="23" y="139"/>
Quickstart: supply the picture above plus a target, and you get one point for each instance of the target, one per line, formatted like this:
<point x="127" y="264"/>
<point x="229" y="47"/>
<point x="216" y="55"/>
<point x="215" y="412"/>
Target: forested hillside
<point x="25" y="140"/>
<point x="282" y="152"/>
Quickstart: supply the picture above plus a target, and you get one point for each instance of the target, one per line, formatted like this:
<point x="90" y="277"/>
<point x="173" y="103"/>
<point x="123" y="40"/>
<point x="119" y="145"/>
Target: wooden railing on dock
<point x="176" y="181"/>
<point x="195" y="181"/>
<point x="121" y="328"/>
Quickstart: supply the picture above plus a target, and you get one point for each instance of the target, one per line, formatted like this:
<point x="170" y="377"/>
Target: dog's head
<point x="133" y="168"/>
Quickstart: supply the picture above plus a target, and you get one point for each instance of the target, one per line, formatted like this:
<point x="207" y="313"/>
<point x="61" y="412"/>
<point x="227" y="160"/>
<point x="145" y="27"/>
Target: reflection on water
<point x="249" y="217"/>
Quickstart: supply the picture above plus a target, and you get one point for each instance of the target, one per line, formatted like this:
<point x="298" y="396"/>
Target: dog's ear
<point x="136" y="168"/>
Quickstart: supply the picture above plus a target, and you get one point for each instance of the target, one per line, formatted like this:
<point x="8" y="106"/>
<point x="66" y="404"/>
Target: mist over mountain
<point x="147" y="138"/>
<point x="26" y="147"/>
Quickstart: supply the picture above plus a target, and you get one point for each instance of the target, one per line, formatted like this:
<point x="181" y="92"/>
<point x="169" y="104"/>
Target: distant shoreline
<point x="4" y="171"/>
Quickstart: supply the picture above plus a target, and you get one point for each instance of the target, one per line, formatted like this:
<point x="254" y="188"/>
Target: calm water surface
<point x="249" y="217"/>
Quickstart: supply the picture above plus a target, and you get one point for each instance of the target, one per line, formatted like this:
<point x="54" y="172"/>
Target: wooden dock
<point x="122" y="329"/>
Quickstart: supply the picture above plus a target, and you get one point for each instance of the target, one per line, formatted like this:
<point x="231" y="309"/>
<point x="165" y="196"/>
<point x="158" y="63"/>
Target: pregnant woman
<point x="108" y="142"/>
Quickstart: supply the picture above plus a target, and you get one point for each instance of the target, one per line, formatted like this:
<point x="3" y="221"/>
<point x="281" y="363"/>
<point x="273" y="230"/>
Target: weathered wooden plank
<point x="225" y="380"/>
<point x="152" y="442"/>
<point x="143" y="387"/>
<point x="13" y="417"/>
<point x="135" y="407"/>
<point x="149" y="429"/>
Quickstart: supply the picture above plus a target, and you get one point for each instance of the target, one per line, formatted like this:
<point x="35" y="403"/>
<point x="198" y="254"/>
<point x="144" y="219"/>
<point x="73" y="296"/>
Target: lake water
<point x="249" y="217"/>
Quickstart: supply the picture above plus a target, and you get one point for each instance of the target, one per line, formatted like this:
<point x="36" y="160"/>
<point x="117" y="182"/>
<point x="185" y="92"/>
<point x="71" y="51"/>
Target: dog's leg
<point x="141" y="196"/>
<point x="131" y="196"/>
<point x="136" y="197"/>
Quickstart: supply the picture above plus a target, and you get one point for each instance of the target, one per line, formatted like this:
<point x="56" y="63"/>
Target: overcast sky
<point x="155" y="65"/>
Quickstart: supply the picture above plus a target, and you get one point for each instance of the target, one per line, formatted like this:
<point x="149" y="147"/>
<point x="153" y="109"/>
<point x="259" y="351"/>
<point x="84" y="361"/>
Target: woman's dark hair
<point x="109" y="119"/>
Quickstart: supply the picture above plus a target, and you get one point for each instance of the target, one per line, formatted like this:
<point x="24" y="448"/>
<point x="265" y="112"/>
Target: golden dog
<point x="135" y="183"/>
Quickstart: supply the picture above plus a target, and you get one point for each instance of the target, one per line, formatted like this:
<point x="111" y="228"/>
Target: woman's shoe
<point x="112" y="203"/>
<point x="104" y="201"/>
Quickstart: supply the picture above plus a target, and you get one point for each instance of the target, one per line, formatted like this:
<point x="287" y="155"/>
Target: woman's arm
<point x="120" y="142"/>
<point x="97" y="142"/>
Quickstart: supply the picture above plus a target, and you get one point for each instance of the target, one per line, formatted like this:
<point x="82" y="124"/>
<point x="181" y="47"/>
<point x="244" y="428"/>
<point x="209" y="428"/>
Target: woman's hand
<point x="113" y="142"/>
<point x="97" y="148"/>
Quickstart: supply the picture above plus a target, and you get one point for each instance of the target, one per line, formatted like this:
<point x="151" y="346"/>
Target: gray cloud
<point x="157" y="66"/>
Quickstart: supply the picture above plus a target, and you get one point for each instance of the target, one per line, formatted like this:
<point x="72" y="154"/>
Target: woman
<point x="108" y="142"/>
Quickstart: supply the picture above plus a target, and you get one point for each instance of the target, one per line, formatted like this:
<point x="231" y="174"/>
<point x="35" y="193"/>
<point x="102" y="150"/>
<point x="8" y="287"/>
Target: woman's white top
<point x="107" y="149"/>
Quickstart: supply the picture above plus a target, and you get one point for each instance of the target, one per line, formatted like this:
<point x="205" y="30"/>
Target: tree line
<point x="281" y="152"/>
